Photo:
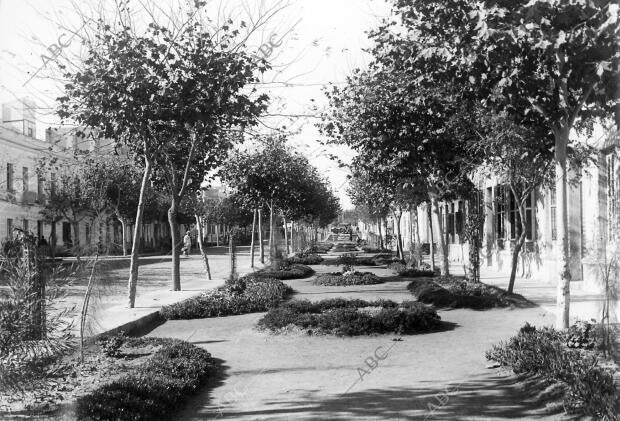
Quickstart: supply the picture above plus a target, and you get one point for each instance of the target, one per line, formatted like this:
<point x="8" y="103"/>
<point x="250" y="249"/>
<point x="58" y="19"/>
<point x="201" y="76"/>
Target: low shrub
<point x="303" y="259"/>
<point x="351" y="317"/>
<point x="344" y="247"/>
<point x="152" y="390"/>
<point x="295" y="271"/>
<point x="589" y="388"/>
<point x="406" y="271"/>
<point x="321" y="248"/>
<point x="367" y="249"/>
<point x="244" y="295"/>
<point x="461" y="293"/>
<point x="347" y="279"/>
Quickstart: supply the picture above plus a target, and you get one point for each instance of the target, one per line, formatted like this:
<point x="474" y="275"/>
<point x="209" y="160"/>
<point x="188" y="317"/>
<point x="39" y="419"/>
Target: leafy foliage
<point x="294" y="271"/>
<point x="347" y="279"/>
<point x="590" y="389"/>
<point x="453" y="292"/>
<point x="154" y="389"/>
<point x="348" y="317"/>
<point x="244" y="295"/>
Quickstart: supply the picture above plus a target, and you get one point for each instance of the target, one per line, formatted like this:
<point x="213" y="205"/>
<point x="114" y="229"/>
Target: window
<point x="9" y="228"/>
<point x="87" y="231"/>
<point x="500" y="212"/>
<point x="40" y="192"/>
<point x="554" y="215"/>
<point x="53" y="183"/>
<point x="9" y="177"/>
<point x="25" y="179"/>
<point x="529" y="217"/>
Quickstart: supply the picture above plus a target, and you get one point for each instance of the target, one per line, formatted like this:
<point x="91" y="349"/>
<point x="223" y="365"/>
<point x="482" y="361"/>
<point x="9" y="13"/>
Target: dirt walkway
<point x="440" y="375"/>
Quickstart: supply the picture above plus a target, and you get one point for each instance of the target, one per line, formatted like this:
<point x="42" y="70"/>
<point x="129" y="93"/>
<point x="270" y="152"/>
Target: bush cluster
<point x="321" y="248"/>
<point x="402" y="269"/>
<point x="244" y="295"/>
<point x="152" y="390"/>
<point x="303" y="259"/>
<point x="589" y="388"/>
<point x="347" y="279"/>
<point x="448" y="291"/>
<point x="343" y="317"/>
<point x="295" y="271"/>
<point x="367" y="249"/>
<point x="344" y="247"/>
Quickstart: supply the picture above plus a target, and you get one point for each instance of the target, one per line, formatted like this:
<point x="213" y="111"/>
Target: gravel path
<point x="439" y="375"/>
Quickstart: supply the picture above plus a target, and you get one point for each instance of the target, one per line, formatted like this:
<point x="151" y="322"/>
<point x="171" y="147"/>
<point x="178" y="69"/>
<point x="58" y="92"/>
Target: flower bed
<point x="347" y="279"/>
<point x="245" y="295"/>
<point x="401" y="269"/>
<point x="344" y="247"/>
<point x="304" y="259"/>
<point x="153" y="389"/>
<point x="295" y="271"/>
<point x="343" y="317"/>
<point x="448" y="291"/>
<point x="588" y="388"/>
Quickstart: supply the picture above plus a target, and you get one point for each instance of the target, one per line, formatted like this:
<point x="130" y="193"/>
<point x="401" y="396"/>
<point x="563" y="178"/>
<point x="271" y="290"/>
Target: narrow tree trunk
<point x="443" y="249"/>
<point x="133" y="265"/>
<point x="380" y="235"/>
<point x="563" y="290"/>
<point x="399" y="245"/>
<point x="217" y="235"/>
<point x="176" y="241"/>
<point x="432" y="238"/>
<point x="519" y="243"/>
<point x="252" y="242"/>
<point x="203" y="250"/>
<point x="124" y="236"/>
<point x="261" y="240"/>
<point x="417" y="236"/>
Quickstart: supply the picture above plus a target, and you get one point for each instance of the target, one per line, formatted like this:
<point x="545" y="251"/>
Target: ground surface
<point x="440" y="375"/>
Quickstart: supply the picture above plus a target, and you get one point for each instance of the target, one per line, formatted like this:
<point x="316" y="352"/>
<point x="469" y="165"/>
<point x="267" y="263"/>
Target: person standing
<point x="187" y="244"/>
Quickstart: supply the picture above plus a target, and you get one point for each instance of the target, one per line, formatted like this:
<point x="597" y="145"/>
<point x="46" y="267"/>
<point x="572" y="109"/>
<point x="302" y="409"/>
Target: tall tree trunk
<point x="203" y="250"/>
<point x="432" y="238"/>
<point x="561" y="171"/>
<point x="399" y="244"/>
<point x="288" y="251"/>
<point x="173" y="212"/>
<point x="519" y="243"/>
<point x="443" y="249"/>
<point x="381" y="245"/>
<point x="137" y="235"/>
<point x="217" y="235"/>
<point x="272" y="239"/>
<point x="417" y="236"/>
<point x="261" y="240"/>
<point x="124" y="236"/>
<point x="252" y="242"/>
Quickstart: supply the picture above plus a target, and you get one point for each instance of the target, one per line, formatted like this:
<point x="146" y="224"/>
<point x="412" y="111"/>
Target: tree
<point x="169" y="95"/>
<point x="402" y="129"/>
<point x="557" y="59"/>
<point x="522" y="159"/>
<point x="71" y="193"/>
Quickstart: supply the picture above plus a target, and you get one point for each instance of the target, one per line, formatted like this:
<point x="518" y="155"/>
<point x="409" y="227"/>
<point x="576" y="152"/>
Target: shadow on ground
<point x="489" y="398"/>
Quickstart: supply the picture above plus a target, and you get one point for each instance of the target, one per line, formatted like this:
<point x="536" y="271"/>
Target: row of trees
<point x="176" y="94"/>
<point x="276" y="179"/>
<point x="462" y="87"/>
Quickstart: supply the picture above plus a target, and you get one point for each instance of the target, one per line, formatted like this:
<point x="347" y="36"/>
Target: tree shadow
<point x="488" y="398"/>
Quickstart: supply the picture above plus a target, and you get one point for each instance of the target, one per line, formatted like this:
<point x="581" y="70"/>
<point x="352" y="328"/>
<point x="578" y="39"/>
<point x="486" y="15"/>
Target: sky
<point x="319" y="42"/>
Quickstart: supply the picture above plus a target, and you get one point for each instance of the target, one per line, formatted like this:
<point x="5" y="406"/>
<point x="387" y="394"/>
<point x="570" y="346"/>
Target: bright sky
<point x="322" y="42"/>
